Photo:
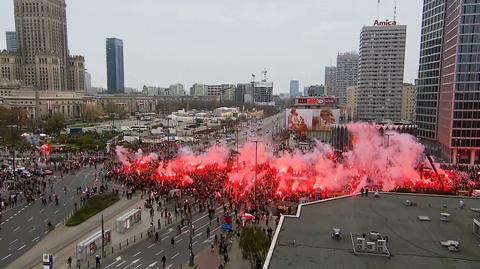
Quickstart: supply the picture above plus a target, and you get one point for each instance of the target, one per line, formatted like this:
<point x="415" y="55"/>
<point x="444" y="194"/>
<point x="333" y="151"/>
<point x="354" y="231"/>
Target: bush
<point x="93" y="206"/>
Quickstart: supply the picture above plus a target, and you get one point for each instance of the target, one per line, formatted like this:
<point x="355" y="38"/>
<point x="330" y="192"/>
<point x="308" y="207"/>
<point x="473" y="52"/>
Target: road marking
<point x="41" y="210"/>
<point x="111" y="264"/>
<point x="151" y="246"/>
<point x="203" y="226"/>
<point x="6" y="257"/>
<point x="16" y="229"/>
<point x="56" y="211"/>
<point x="153" y="264"/>
<point x="158" y="253"/>
<point x="169" y="266"/>
<point x="164" y="238"/>
<point x="14" y="241"/>
<point x="179" y="240"/>
<point x="29" y="219"/>
<point x="20" y="248"/>
<point x="36" y="238"/>
<point x="197" y="235"/>
<point x="45" y="220"/>
<point x="137" y="266"/>
<point x="174" y="256"/>
<point x="120" y="264"/>
<point x="136" y="254"/>
<point x="135" y="261"/>
<point x="33" y="229"/>
<point x="58" y="224"/>
<point x="193" y="244"/>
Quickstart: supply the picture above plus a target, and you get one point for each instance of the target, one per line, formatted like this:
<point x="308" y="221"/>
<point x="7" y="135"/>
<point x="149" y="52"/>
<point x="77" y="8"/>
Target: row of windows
<point x="466" y="87"/>
<point x="467" y="105"/>
<point x="466" y="114"/>
<point x="470" y="48"/>
<point x="469" y="58"/>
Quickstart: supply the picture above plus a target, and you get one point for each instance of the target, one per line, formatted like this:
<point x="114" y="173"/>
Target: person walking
<point x="69" y="262"/>
<point x="164" y="260"/>
<point x="172" y="242"/>
<point x="97" y="261"/>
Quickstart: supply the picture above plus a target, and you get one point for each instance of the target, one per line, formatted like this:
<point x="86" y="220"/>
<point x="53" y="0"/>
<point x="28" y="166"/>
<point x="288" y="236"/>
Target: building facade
<point x="115" y="66"/>
<point x="448" y="90"/>
<point x="380" y="72"/>
<point x="409" y="98"/>
<point x="346" y="74"/>
<point x="294" y="88"/>
<point x="428" y="84"/>
<point x="10" y="67"/>
<point x="263" y="93"/>
<point x="314" y="90"/>
<point x="176" y="90"/>
<point x="11" y="39"/>
<point x="351" y="106"/>
<point x="330" y="79"/>
<point x="459" y="106"/>
<point x="41" y="29"/>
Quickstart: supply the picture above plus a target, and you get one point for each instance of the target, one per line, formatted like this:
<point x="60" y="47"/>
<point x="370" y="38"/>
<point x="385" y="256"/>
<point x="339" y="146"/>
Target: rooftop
<point x="412" y="243"/>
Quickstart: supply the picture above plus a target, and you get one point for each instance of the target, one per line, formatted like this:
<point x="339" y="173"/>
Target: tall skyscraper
<point x="448" y="107"/>
<point x="115" y="67"/>
<point x="11" y="39"/>
<point x="428" y="85"/>
<point x="346" y="74"/>
<point x="380" y="72"/>
<point x="41" y="28"/>
<point x="330" y="79"/>
<point x="294" y="88"/>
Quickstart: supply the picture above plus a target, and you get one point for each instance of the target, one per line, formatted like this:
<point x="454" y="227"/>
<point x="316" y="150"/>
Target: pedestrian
<point x="159" y="224"/>
<point x="208" y="232"/>
<point x="172" y="241"/>
<point x="164" y="259"/>
<point x="69" y="262"/>
<point x="97" y="261"/>
<point x="156" y="236"/>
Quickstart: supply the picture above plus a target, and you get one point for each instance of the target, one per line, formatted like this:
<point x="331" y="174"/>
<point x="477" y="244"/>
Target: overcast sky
<point x="225" y="41"/>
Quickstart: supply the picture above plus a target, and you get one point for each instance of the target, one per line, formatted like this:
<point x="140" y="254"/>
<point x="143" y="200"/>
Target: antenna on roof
<point x="378" y="10"/>
<point x="394" y="10"/>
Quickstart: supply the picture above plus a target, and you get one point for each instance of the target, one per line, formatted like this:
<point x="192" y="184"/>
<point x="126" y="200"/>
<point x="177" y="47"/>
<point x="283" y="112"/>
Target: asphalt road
<point x="148" y="254"/>
<point x="23" y="227"/>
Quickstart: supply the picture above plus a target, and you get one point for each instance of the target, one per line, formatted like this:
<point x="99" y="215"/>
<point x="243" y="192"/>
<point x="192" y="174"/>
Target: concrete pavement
<point x="23" y="227"/>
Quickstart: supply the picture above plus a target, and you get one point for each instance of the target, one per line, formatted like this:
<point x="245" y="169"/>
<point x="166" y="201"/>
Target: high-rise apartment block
<point x="330" y="79"/>
<point x="176" y="90"/>
<point x="263" y="93"/>
<point x="346" y="74"/>
<point x="314" y="90"/>
<point x="380" y="72"/>
<point x="115" y="66"/>
<point x="448" y="93"/>
<point x="294" y="88"/>
<point x="409" y="98"/>
<point x="11" y="40"/>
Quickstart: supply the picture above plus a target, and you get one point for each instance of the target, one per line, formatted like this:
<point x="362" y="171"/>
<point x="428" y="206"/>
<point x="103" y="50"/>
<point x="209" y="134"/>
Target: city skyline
<point x="174" y="58"/>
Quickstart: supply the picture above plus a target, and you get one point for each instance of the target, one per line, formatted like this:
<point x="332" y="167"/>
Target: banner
<point x="304" y="119"/>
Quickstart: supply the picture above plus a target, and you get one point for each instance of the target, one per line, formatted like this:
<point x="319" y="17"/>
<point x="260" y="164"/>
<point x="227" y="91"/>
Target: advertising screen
<point x="302" y="120"/>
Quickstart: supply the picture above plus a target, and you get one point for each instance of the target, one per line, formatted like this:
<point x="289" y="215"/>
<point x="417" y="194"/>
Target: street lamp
<point x="11" y="127"/>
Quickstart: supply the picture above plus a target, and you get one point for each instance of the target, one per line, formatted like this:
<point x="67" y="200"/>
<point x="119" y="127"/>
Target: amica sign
<point x="384" y="23"/>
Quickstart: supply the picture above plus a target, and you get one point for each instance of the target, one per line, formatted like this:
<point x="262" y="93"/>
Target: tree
<point x="254" y="245"/>
<point x="11" y="122"/>
<point x="55" y="124"/>
<point x="92" y="112"/>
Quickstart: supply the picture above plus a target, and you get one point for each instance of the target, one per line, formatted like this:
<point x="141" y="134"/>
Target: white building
<point x="380" y="72"/>
<point x="176" y="90"/>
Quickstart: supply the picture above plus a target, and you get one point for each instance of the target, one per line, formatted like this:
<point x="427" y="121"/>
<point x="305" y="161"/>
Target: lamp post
<point x="191" y="258"/>
<point x="11" y="127"/>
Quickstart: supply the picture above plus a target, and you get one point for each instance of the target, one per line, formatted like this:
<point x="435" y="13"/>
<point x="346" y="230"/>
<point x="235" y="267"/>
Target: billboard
<point x="301" y="120"/>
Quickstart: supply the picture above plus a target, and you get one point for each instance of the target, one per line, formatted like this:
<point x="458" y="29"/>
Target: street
<point x="24" y="226"/>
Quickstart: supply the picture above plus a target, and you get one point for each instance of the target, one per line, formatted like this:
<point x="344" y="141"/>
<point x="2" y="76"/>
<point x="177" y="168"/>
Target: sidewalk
<point x="62" y="240"/>
<point x="211" y="260"/>
<point x="120" y="242"/>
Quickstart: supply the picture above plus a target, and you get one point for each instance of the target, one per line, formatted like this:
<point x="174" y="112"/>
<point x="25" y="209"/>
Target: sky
<point x="225" y="41"/>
